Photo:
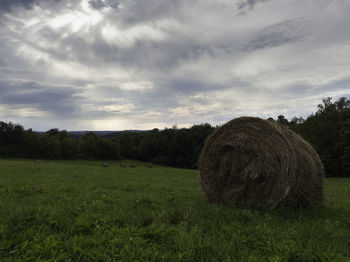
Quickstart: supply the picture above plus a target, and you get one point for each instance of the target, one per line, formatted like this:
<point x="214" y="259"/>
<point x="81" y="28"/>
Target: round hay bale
<point x="260" y="162"/>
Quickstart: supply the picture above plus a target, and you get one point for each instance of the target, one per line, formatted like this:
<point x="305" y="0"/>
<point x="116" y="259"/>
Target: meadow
<point x="80" y="211"/>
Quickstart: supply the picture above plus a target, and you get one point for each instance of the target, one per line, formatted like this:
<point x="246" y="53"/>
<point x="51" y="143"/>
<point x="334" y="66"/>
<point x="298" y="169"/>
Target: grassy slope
<point x="79" y="211"/>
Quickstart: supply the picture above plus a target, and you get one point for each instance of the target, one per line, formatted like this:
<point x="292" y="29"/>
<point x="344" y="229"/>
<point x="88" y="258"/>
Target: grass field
<point x="79" y="211"/>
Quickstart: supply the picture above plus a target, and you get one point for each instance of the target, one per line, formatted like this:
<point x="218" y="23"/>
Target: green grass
<point x="79" y="211"/>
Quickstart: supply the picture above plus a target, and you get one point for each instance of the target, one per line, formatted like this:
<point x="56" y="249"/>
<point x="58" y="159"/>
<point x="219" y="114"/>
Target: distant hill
<point x="101" y="133"/>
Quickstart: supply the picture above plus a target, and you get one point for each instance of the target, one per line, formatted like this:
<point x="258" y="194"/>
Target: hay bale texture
<point x="260" y="162"/>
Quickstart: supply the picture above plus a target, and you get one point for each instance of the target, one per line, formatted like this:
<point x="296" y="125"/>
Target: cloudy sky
<point x="127" y="64"/>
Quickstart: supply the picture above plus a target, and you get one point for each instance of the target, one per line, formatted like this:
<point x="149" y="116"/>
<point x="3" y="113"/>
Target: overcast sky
<point x="127" y="64"/>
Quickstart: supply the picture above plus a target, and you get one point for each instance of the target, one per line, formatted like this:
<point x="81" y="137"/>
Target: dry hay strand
<point x="260" y="162"/>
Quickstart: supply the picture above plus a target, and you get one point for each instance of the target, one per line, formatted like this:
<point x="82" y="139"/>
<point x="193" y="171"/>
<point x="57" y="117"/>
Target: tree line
<point x="54" y="144"/>
<point x="328" y="130"/>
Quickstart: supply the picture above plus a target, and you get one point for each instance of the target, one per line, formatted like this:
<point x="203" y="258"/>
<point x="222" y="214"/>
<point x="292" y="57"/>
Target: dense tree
<point x="69" y="148"/>
<point x="328" y="131"/>
<point x="171" y="146"/>
<point x="54" y="144"/>
<point x="107" y="149"/>
<point x="30" y="145"/>
<point x="149" y="146"/>
<point x="11" y="137"/>
<point x="281" y="119"/>
<point x="128" y="142"/>
<point x="89" y="145"/>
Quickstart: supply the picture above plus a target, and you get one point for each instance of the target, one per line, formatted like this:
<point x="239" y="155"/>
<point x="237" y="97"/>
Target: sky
<point x="126" y="64"/>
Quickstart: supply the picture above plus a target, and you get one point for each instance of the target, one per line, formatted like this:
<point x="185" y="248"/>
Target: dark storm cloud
<point x="249" y="4"/>
<point x="142" y="53"/>
<point x="11" y="5"/>
<point x="285" y="32"/>
<point x="97" y="4"/>
<point x="8" y="5"/>
<point x="58" y="100"/>
<point x="101" y="4"/>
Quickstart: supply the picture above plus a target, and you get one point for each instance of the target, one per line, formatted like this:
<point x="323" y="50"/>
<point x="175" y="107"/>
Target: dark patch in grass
<point x="82" y="226"/>
<point x="175" y="217"/>
<point x="118" y="222"/>
<point x="154" y="236"/>
<point x="128" y="189"/>
<point x="148" y="220"/>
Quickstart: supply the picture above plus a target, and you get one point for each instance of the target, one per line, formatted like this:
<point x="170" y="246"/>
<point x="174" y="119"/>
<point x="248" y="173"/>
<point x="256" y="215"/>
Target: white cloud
<point x="137" y="86"/>
<point x="128" y="37"/>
